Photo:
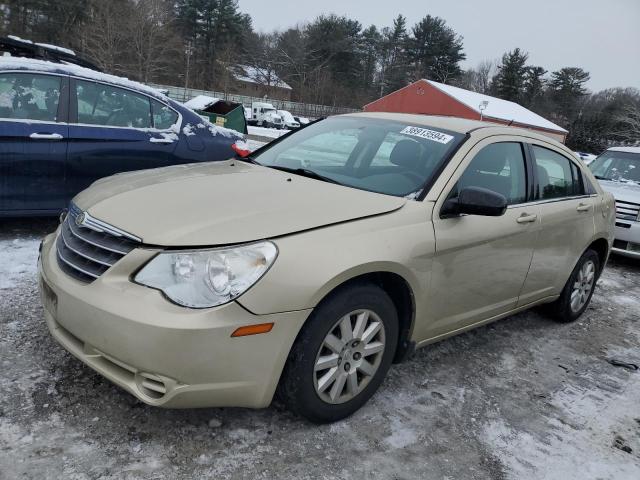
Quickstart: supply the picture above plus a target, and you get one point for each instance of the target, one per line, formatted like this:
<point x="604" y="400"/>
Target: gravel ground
<point x="521" y="398"/>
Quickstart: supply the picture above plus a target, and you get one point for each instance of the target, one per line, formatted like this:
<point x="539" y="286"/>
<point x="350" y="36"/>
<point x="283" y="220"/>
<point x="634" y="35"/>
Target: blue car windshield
<point x="369" y="154"/>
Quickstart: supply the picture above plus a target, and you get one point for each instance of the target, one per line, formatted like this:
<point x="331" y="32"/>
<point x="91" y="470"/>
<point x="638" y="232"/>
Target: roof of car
<point x="454" y="124"/>
<point x="31" y="64"/>
<point x="625" y="149"/>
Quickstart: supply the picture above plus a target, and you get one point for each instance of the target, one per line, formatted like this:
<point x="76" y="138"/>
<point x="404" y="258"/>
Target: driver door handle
<point x="524" y="218"/>
<point x="46" y="136"/>
<point x="160" y="140"/>
<point x="583" y="207"/>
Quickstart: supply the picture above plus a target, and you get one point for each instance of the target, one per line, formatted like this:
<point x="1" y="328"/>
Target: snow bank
<point x="266" y="132"/>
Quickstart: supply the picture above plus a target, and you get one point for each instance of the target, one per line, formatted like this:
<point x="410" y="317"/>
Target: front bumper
<point x="164" y="354"/>
<point x="627" y="238"/>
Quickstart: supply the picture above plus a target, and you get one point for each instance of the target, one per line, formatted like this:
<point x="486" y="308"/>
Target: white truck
<point x="265" y="115"/>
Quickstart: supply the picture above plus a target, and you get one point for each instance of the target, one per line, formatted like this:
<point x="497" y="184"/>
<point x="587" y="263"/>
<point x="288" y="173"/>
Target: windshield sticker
<point x="428" y="134"/>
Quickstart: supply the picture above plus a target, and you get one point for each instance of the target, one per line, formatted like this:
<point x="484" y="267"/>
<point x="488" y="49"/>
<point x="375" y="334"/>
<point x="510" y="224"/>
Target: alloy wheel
<point x="583" y="285"/>
<point x="349" y="356"/>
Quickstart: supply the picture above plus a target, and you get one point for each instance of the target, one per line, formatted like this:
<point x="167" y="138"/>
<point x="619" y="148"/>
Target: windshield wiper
<point x="601" y="178"/>
<point x="248" y="159"/>
<point x="305" y="172"/>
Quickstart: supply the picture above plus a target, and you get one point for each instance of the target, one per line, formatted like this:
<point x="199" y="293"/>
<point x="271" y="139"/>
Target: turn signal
<point x="252" y="330"/>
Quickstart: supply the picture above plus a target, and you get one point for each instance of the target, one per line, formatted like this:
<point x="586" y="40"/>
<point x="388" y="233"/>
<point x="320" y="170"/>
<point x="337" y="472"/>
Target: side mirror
<point x="475" y="201"/>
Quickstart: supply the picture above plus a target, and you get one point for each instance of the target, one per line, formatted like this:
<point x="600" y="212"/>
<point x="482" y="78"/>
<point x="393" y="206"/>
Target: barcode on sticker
<point x="428" y="134"/>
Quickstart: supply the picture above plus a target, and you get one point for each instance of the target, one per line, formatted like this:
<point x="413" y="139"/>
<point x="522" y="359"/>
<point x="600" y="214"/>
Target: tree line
<point x="332" y="59"/>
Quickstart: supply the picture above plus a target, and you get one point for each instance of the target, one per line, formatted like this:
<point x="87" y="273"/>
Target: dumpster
<point x="220" y="112"/>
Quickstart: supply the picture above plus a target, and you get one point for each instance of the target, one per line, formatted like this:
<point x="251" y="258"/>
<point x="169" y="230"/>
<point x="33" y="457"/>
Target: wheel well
<point x="403" y="299"/>
<point x="601" y="247"/>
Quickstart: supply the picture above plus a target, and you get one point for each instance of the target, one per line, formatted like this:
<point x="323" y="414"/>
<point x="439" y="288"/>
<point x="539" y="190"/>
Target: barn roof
<point x="261" y="76"/>
<point x="496" y="107"/>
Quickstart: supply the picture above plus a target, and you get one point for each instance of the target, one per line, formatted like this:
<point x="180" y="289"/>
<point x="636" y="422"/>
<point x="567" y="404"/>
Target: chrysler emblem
<point x="80" y="219"/>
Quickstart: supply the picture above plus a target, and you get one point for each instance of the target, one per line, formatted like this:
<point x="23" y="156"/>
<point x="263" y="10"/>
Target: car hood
<point x="623" y="191"/>
<point x="219" y="203"/>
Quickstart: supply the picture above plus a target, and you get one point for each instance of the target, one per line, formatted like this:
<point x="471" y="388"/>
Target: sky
<point x="601" y="36"/>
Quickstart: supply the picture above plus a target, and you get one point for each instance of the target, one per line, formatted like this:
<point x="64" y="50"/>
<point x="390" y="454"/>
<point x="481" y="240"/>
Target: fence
<point x="181" y="94"/>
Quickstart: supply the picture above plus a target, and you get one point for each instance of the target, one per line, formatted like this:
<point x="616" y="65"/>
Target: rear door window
<point x="557" y="175"/>
<point x="29" y="96"/>
<point x="100" y="104"/>
<point x="163" y="117"/>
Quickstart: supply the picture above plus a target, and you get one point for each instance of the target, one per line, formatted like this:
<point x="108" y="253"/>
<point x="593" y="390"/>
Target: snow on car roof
<point x="68" y="51"/>
<point x="21" y="63"/>
<point x="200" y="102"/>
<point x="496" y="107"/>
<point x="625" y="149"/>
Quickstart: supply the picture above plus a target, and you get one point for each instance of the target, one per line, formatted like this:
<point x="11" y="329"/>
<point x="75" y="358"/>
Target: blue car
<point x="64" y="126"/>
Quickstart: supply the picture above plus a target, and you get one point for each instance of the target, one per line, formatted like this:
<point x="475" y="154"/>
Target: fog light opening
<point x="151" y="385"/>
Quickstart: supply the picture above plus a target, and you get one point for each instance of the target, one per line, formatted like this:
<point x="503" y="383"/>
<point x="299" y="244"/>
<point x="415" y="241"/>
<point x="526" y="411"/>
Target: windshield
<point x="617" y="166"/>
<point x="369" y="154"/>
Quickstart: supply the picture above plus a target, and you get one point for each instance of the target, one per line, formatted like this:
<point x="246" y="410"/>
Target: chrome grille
<point x="627" y="210"/>
<point x="87" y="249"/>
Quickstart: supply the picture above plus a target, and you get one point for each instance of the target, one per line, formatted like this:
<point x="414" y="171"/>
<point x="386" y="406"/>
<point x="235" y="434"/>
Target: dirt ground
<point x="522" y="398"/>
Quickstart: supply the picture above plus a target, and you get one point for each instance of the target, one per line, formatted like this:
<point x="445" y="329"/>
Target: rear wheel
<point x="578" y="290"/>
<point x="342" y="354"/>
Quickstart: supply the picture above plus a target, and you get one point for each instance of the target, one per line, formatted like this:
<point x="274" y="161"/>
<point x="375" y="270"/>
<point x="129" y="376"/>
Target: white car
<point x="587" y="158"/>
<point x="618" y="171"/>
<point x="288" y="120"/>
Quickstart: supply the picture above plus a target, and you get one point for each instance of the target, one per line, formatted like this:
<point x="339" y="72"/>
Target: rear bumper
<point x="627" y="238"/>
<point x="164" y="354"/>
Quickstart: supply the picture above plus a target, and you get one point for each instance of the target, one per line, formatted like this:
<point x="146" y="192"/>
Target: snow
<point x="625" y="149"/>
<point x="18" y="261"/>
<point x="496" y="107"/>
<point x="20" y="63"/>
<point x="188" y="130"/>
<point x="56" y="47"/>
<point x="579" y="419"/>
<point x="200" y="102"/>
<point x="68" y="51"/>
<point x="261" y="76"/>
<point x="266" y="132"/>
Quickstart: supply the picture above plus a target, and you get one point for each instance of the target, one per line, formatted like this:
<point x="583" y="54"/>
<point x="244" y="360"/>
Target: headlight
<point x="206" y="278"/>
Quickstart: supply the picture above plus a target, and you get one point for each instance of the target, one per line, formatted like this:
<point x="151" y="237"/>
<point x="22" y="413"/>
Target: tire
<point x="581" y="284"/>
<point x="310" y="392"/>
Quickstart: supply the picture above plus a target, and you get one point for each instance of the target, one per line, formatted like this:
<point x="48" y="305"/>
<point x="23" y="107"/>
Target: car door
<point x="566" y="217"/>
<point x="33" y="141"/>
<point x="481" y="262"/>
<point x="112" y="131"/>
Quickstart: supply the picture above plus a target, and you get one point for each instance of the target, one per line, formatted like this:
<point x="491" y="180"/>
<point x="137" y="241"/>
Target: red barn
<point x="432" y="98"/>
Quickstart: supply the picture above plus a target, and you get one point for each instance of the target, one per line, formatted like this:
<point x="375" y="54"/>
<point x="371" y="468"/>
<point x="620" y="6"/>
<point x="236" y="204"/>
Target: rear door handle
<point x="524" y="218"/>
<point x="583" y="207"/>
<point x="160" y="140"/>
<point x="46" y="136"/>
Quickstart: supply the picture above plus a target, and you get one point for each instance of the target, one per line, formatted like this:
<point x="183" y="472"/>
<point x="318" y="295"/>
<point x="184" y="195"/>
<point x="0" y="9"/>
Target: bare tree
<point x="628" y="124"/>
<point x="153" y="43"/>
<point x="103" y="36"/>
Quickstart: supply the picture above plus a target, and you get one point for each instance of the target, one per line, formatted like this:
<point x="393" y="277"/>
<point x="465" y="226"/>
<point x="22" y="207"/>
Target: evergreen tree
<point x="509" y="82"/>
<point x="534" y="87"/>
<point x="435" y="50"/>
<point x="393" y="57"/>
<point x="369" y="48"/>
<point x="567" y="87"/>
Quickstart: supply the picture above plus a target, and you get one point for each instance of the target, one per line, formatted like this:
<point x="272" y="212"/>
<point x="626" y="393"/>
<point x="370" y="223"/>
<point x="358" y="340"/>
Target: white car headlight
<point x="206" y="278"/>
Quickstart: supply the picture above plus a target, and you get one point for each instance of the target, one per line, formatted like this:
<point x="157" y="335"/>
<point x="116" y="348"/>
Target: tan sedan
<point x="311" y="266"/>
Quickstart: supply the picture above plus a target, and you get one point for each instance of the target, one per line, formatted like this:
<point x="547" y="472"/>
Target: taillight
<point x="241" y="148"/>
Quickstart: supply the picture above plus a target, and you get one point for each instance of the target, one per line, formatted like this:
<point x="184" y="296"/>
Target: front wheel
<point x="342" y="354"/>
<point x="578" y="290"/>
